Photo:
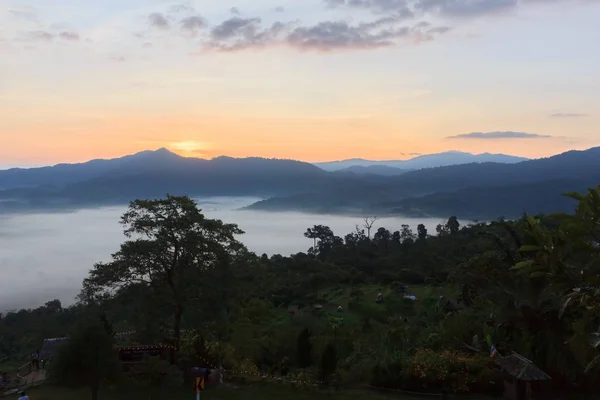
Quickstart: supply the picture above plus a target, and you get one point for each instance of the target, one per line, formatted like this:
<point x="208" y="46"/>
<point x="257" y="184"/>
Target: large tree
<point x="171" y="246"/>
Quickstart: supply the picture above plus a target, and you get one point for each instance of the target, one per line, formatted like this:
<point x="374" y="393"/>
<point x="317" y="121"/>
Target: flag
<point x="493" y="351"/>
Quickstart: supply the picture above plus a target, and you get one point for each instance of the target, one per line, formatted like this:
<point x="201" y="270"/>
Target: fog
<point x="47" y="256"/>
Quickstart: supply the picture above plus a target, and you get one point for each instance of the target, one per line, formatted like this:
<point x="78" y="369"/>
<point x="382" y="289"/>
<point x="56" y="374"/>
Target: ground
<point x="257" y="391"/>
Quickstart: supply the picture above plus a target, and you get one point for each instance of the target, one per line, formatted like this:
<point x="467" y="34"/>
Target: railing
<point x="25" y="370"/>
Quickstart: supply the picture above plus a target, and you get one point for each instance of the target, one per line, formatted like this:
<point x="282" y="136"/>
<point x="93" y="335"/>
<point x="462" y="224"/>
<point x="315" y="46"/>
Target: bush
<point x="433" y="371"/>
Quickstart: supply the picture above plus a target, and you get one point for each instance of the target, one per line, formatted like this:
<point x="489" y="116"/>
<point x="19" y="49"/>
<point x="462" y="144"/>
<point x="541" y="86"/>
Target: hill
<point x="152" y="174"/>
<point x="473" y="191"/>
<point x="424" y="161"/>
<point x="374" y="170"/>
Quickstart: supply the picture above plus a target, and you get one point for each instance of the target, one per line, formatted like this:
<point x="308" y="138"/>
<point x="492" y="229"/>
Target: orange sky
<point x="83" y="81"/>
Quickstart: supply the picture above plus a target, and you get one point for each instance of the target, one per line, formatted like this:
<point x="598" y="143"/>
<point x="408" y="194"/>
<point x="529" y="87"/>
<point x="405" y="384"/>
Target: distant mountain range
<point x="482" y="191"/>
<point x="420" y="162"/>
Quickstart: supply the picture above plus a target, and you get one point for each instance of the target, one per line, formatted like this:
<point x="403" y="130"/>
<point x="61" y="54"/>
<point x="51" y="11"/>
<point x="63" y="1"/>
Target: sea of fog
<point x="46" y="256"/>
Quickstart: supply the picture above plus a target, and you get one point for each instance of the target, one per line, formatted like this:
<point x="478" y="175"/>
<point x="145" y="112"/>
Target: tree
<point x="171" y="246"/>
<point x="406" y="234"/>
<point x="453" y="226"/>
<point x="323" y="234"/>
<point x="328" y="364"/>
<point x="382" y="236"/>
<point x="88" y="359"/>
<point x="368" y="225"/>
<point x="421" y="232"/>
<point x="304" y="349"/>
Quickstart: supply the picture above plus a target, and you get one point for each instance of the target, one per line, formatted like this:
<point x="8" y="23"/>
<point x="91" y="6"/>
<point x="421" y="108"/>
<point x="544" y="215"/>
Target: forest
<point x="425" y="312"/>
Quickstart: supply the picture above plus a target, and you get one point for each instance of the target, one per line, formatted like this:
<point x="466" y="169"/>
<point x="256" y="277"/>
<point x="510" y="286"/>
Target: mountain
<point x="424" y="161"/>
<point x="373" y="170"/>
<point x="64" y="174"/>
<point x="153" y="174"/>
<point x="471" y="191"/>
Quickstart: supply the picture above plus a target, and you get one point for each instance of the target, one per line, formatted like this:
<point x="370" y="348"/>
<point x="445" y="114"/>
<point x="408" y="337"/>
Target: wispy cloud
<point x="193" y="23"/>
<point x="158" y="20"/>
<point x="244" y="33"/>
<point x="67" y="35"/>
<point x="499" y="135"/>
<point x="26" y="13"/>
<point x="411" y="8"/>
<point x="568" y="115"/>
<point x="39" y="36"/>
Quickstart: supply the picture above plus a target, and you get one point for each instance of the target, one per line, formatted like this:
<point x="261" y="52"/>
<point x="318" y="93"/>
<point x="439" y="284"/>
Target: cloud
<point x="235" y="11"/>
<point x="340" y="35"/>
<point x="279" y="9"/>
<point x="411" y="8"/>
<point x="465" y="8"/>
<point x="242" y="33"/>
<point x="239" y="33"/>
<point x="27" y="13"/>
<point x="117" y="58"/>
<point x="181" y="8"/>
<point x="568" y="115"/>
<point x="335" y="35"/>
<point x="399" y="8"/>
<point x="74" y="36"/>
<point x="158" y="20"/>
<point x="39" y="36"/>
<point x="193" y="24"/>
<point x="499" y="135"/>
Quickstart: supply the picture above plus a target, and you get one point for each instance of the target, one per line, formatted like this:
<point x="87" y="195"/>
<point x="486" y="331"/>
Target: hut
<point x="523" y="377"/>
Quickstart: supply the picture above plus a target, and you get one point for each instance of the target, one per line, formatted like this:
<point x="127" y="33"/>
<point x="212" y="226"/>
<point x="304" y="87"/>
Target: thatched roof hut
<point x="521" y="368"/>
<point x="523" y="377"/>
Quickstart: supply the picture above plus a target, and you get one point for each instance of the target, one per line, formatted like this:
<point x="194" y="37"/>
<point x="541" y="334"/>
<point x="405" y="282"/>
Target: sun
<point x="187" y="146"/>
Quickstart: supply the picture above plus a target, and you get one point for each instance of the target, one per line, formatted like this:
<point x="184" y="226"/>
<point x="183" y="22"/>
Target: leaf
<point x="564" y="307"/>
<point x="523" y="265"/>
<point x="593" y="364"/>
<point x="537" y="274"/>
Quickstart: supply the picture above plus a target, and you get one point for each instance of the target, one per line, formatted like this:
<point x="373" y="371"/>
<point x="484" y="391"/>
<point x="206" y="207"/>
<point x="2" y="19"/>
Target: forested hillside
<point x="418" y="311"/>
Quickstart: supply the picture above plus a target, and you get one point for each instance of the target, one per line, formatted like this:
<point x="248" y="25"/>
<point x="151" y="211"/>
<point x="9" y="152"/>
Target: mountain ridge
<point x="296" y="185"/>
<point x="452" y="157"/>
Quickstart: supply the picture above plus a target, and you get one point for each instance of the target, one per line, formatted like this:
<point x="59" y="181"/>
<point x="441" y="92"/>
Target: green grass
<point x="258" y="391"/>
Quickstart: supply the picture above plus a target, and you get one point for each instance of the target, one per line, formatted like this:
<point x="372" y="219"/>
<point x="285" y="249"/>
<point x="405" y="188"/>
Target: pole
<point x="197" y="396"/>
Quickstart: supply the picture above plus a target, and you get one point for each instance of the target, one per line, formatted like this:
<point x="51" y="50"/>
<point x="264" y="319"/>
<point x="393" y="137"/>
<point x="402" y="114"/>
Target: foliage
<point x="88" y="359"/>
<point x="328" y="363"/>
<point x="171" y="246"/>
<point x="528" y="285"/>
<point x="304" y="353"/>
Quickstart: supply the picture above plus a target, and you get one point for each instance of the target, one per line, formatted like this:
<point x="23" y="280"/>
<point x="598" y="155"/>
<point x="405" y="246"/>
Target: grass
<point x="252" y="392"/>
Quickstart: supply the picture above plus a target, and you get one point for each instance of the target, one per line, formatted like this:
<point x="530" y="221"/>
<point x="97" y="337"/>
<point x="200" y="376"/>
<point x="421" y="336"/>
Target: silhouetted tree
<point x="421" y="232"/>
<point x="328" y="364"/>
<point x="368" y="225"/>
<point x="171" y="244"/>
<point x="304" y="349"/>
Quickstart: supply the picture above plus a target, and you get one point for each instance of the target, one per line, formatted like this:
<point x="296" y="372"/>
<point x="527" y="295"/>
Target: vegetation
<point x="312" y="319"/>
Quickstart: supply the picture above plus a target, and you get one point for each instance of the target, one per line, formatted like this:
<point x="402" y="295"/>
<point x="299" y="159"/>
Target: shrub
<point x="433" y="371"/>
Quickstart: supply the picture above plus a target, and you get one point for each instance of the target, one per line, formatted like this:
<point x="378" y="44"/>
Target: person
<point x="24" y="396"/>
<point x="35" y="360"/>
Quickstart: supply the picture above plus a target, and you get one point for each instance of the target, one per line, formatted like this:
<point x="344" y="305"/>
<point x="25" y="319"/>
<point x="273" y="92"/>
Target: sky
<point x="313" y="80"/>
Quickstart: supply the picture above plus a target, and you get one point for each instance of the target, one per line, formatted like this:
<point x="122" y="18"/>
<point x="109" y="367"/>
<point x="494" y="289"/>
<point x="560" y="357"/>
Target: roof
<point x="521" y="368"/>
